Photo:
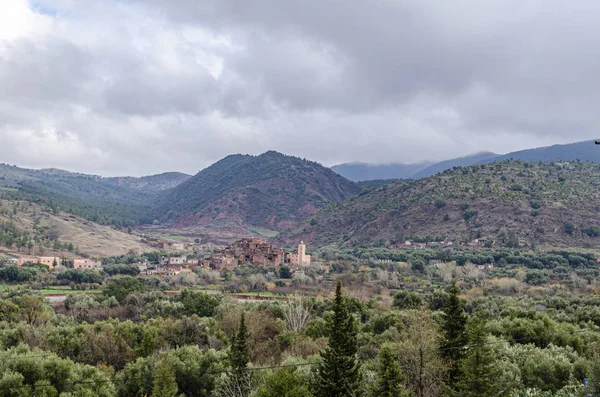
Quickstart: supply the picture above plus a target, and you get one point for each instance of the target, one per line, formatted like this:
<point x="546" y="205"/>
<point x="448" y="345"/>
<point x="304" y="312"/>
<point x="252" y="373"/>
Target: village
<point x="182" y="258"/>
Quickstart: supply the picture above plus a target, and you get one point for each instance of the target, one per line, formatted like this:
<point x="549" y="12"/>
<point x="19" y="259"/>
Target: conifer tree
<point x="390" y="379"/>
<point x="339" y="375"/>
<point x="239" y="356"/>
<point x="479" y="373"/>
<point x="454" y="329"/>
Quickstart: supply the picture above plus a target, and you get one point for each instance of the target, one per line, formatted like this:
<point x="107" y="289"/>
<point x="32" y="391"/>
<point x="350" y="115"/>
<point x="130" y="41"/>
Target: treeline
<point x="31" y="272"/>
<point x="501" y="258"/>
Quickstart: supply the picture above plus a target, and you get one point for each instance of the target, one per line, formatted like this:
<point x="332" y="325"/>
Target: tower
<point x="301" y="253"/>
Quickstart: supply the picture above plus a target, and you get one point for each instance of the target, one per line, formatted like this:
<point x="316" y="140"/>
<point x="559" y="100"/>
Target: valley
<point x="129" y="279"/>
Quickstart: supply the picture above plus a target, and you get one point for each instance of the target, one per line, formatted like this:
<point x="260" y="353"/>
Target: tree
<point x="239" y="357"/>
<point x="479" y="374"/>
<point x="165" y="383"/>
<point x="121" y="288"/>
<point x="568" y="228"/>
<point x="297" y="314"/>
<point x="406" y="300"/>
<point x="285" y="272"/>
<point x="390" y="379"/>
<point x="420" y="359"/>
<point x="454" y="325"/>
<point x="338" y="374"/>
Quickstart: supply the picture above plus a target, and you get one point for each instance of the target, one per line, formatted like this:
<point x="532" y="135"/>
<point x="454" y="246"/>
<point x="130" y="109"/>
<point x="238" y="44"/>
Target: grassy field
<point x="63" y="290"/>
<point x="264" y="232"/>
<point x="55" y="291"/>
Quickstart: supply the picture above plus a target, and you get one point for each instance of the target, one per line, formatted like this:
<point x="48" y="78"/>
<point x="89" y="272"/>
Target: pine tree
<point x="479" y="373"/>
<point x="339" y="375"/>
<point x="390" y="379"/>
<point x="239" y="357"/>
<point x="455" y="335"/>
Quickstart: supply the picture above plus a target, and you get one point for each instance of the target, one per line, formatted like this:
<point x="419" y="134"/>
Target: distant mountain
<point x="457" y="162"/>
<point x="151" y="183"/>
<point x="271" y="191"/>
<point x="367" y="172"/>
<point x="508" y="202"/>
<point x="584" y="151"/>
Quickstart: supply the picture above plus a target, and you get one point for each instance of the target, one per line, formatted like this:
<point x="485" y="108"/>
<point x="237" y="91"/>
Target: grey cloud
<point x="153" y="85"/>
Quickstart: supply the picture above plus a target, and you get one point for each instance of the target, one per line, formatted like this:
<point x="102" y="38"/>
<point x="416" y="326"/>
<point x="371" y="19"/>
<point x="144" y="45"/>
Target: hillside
<point x="22" y="222"/>
<point x="110" y="201"/>
<point x="270" y="191"/>
<point x="509" y="202"/>
<point x="152" y="183"/>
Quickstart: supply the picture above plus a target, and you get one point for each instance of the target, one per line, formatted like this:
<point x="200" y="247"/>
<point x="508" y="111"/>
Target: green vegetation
<point x="508" y="203"/>
<point x="339" y="374"/>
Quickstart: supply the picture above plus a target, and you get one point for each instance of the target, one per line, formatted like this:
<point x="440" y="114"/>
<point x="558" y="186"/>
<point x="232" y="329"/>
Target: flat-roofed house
<point x="86" y="264"/>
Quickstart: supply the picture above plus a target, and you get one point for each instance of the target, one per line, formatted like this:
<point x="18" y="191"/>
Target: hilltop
<point x="271" y="191"/>
<point x="510" y="203"/>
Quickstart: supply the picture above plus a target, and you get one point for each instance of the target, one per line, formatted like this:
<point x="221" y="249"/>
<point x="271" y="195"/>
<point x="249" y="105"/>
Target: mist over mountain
<point x="584" y="151"/>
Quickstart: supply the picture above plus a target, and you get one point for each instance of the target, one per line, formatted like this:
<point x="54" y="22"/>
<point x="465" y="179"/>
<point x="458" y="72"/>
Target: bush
<point x="406" y="300"/>
<point x="569" y="228"/>
<point x="123" y="287"/>
<point x="285" y="272"/>
<point x="536" y="277"/>
<point x="200" y="303"/>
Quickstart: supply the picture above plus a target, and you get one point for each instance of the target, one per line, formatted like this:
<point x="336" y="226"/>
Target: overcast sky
<point x="126" y="87"/>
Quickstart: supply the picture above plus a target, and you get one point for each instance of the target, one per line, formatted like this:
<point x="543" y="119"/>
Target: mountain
<point x="152" y="183"/>
<point x="476" y="158"/>
<point x="366" y="172"/>
<point x="584" y="151"/>
<point x="508" y="202"/>
<point x="271" y="191"/>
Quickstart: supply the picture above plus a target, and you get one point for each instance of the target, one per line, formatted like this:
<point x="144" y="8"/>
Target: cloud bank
<point x="139" y="87"/>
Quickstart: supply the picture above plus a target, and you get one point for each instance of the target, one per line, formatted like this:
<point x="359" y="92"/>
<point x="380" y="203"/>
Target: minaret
<point x="301" y="253"/>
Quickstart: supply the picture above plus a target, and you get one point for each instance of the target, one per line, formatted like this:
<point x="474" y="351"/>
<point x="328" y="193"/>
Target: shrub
<point x="406" y="300"/>
<point x="569" y="228"/>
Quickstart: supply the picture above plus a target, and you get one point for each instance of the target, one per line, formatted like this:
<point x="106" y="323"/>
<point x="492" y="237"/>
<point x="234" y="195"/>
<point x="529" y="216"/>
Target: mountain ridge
<point x="359" y="172"/>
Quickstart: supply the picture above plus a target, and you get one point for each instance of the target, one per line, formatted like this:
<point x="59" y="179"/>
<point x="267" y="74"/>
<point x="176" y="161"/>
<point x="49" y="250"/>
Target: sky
<point x="138" y="87"/>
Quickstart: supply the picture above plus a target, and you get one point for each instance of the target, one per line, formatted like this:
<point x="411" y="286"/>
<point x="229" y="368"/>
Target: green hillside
<point x="88" y="196"/>
<point x="509" y="203"/>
